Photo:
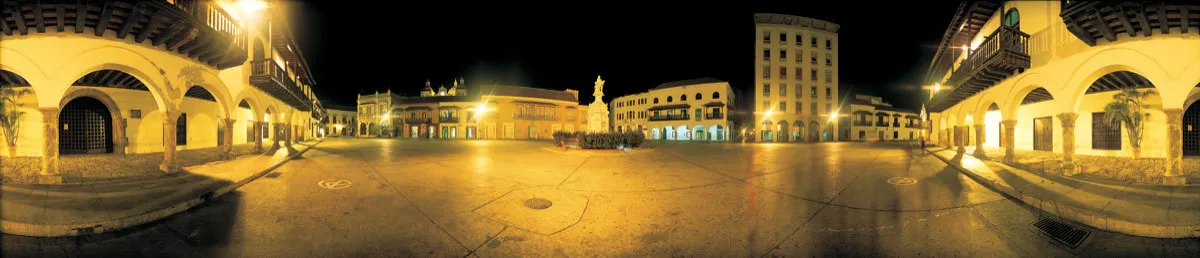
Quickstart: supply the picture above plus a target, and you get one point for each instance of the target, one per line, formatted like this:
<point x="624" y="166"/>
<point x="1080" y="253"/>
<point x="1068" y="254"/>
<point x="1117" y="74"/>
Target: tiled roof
<point x="519" y="91"/>
<point x="688" y="82"/>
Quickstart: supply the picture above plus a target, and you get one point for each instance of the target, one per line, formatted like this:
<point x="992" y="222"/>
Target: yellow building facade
<point x="872" y="119"/>
<point x="174" y="75"/>
<point x="491" y="112"/>
<point x="1037" y="75"/>
<point x="796" y="78"/>
<point x="688" y="110"/>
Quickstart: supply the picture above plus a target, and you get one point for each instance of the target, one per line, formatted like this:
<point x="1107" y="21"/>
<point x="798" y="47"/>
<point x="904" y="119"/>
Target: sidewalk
<point x="1135" y="209"/>
<point x="80" y="209"/>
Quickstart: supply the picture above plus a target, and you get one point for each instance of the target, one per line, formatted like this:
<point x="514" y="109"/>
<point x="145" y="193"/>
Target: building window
<point x="783" y="89"/>
<point x="669" y="99"/>
<point x="799" y="39"/>
<point x="828" y="93"/>
<point x="699" y="113"/>
<point x="799" y="56"/>
<point x="683" y="97"/>
<point x="716" y="95"/>
<point x="828" y="59"/>
<point x="766" y="105"/>
<point x="799" y="108"/>
<point x="812" y="58"/>
<point x="767" y="54"/>
<point x="1012" y="19"/>
<point x="766" y="72"/>
<point x="699" y="96"/>
<point x="813" y="42"/>
<point x="181" y="129"/>
<point x="766" y="37"/>
<point x="783" y="72"/>
<point x="766" y="89"/>
<point x="1104" y="135"/>
<point x="812" y="75"/>
<point x="828" y="76"/>
<point x="655" y="100"/>
<point x="783" y="54"/>
<point x="812" y="93"/>
<point x="782" y="38"/>
<point x="782" y="106"/>
<point x="829" y="44"/>
<point x="799" y="73"/>
<point x="814" y="109"/>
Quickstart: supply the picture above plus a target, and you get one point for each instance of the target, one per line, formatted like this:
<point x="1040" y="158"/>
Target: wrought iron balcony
<point x="669" y="117"/>
<point x="268" y="76"/>
<point x="197" y="29"/>
<point x="714" y="116"/>
<point x="1005" y="52"/>
<point x="417" y="120"/>
<point x="882" y="124"/>
<point x="1092" y="20"/>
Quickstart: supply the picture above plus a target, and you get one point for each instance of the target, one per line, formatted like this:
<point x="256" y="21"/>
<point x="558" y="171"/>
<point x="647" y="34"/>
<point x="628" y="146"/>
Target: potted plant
<point x="1129" y="107"/>
<point x="10" y="116"/>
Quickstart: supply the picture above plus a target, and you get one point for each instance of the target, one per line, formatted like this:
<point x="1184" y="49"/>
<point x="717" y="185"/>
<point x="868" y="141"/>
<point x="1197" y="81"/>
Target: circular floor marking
<point x="334" y="183"/>
<point x="538" y="203"/>
<point x="902" y="180"/>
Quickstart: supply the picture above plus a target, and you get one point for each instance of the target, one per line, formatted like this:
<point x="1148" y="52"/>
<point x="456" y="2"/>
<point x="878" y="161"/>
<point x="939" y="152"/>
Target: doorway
<point x="1043" y="134"/>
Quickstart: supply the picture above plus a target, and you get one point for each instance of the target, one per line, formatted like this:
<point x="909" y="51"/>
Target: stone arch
<point x="211" y="83"/>
<point x="24" y="67"/>
<point x="118" y="121"/>
<point x="1015" y="100"/>
<point x="783" y="131"/>
<point x="132" y="63"/>
<point x="1103" y="63"/>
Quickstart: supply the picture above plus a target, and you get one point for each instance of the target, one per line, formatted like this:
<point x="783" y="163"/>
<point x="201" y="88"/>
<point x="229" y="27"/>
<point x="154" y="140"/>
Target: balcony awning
<point x="714" y="104"/>
<point x="672" y="106"/>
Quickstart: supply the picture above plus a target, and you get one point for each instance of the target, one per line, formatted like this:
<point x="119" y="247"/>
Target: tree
<point x="10" y="116"/>
<point x="1128" y="107"/>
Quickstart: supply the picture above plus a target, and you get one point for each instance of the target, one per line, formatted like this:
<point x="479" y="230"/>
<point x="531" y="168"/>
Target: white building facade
<point x="871" y="119"/>
<point x="688" y="110"/>
<point x="796" y="78"/>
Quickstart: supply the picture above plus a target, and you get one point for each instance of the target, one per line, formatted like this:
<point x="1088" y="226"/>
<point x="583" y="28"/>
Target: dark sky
<point x="353" y="48"/>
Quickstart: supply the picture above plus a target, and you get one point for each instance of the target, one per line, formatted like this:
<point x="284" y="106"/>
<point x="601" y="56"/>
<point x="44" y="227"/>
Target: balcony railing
<point x="417" y="120"/>
<point x="451" y="119"/>
<point x="1004" y="51"/>
<point x="669" y="117"/>
<point x="271" y="78"/>
<point x="862" y="123"/>
<point x="714" y="116"/>
<point x="882" y="124"/>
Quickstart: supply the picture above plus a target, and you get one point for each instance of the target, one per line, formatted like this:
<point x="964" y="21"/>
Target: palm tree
<point x="10" y="116"/>
<point x="1129" y="107"/>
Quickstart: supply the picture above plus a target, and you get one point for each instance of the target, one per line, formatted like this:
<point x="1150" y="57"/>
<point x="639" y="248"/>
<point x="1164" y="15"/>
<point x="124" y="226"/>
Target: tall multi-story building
<point x="108" y="78"/>
<point x="1037" y="75"/>
<point x="487" y="112"/>
<point x="872" y="119"/>
<point x="796" y="78"/>
<point x="696" y="109"/>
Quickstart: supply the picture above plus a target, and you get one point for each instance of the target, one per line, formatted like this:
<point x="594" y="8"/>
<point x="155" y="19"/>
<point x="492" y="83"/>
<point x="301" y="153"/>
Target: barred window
<point x="1104" y="135"/>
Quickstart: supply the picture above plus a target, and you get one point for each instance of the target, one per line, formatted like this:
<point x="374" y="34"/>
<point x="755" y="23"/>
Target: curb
<point x="1084" y="216"/>
<point x="65" y="230"/>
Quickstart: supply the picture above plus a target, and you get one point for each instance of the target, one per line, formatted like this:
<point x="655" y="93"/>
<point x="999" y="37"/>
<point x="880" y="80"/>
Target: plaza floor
<point x="401" y="198"/>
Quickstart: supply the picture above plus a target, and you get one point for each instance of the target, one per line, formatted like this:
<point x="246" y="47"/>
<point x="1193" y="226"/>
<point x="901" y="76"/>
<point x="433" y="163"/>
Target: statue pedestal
<point x="598" y="111"/>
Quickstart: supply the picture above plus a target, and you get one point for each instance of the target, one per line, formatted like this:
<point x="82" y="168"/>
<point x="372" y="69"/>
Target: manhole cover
<point x="1062" y="232"/>
<point x="538" y="203"/>
<point x="902" y="180"/>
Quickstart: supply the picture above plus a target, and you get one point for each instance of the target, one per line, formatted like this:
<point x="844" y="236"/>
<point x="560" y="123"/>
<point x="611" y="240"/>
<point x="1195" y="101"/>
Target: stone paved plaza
<point x="102" y="167"/>
<point x="402" y="198"/>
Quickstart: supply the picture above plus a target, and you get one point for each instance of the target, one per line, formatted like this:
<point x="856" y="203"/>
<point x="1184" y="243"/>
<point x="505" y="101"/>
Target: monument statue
<point x="598" y="111"/>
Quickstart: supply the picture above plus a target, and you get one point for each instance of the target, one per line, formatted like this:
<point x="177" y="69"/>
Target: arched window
<point x="668" y="99"/>
<point x="683" y="97"/>
<point x="655" y="100"/>
<point x="1012" y="18"/>
<point x="699" y="97"/>
<point x="716" y="95"/>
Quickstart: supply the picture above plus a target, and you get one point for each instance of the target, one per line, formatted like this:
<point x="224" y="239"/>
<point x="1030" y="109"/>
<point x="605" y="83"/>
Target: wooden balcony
<point x="196" y="28"/>
<point x="1093" y="20"/>
<point x="713" y="116"/>
<point x="268" y="76"/>
<point x="670" y="117"/>
<point x="1004" y="53"/>
<point x="417" y="120"/>
<point x="452" y="119"/>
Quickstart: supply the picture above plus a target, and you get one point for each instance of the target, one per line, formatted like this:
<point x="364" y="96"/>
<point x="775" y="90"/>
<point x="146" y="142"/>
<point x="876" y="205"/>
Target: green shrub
<point x="611" y="140"/>
<point x="559" y="136"/>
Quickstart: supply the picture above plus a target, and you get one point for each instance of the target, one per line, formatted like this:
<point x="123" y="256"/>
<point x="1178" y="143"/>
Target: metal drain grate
<point x="1062" y="232"/>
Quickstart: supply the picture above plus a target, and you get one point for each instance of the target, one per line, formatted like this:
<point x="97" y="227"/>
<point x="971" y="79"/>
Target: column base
<point x="227" y="155"/>
<point x="1175" y="180"/>
<point x="168" y="168"/>
<point x="1010" y="159"/>
<point x="979" y="153"/>
<point x="1070" y="169"/>
<point x="962" y="149"/>
<point x="50" y="179"/>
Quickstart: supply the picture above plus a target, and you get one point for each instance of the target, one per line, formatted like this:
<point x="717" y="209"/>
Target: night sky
<point x="355" y="48"/>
